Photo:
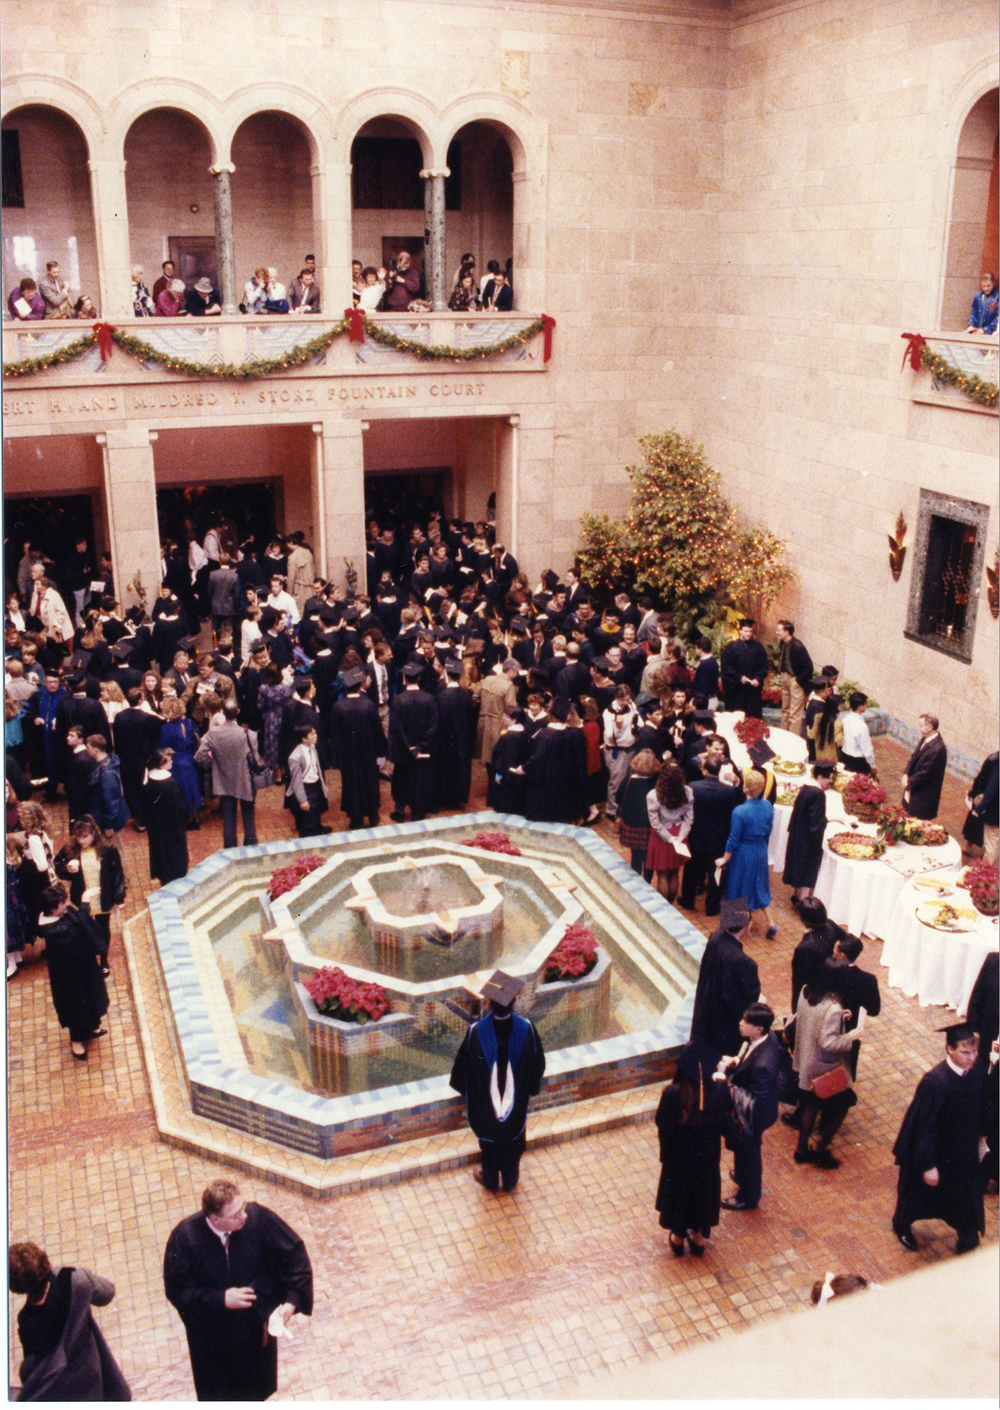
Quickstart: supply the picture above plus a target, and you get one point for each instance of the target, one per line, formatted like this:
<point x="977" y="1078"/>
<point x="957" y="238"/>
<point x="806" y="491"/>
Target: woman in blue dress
<point x="746" y="850"/>
<point x="180" y="734"/>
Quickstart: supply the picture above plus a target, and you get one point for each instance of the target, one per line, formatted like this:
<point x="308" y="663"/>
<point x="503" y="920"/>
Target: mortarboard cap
<point x="453" y="666"/>
<point x="122" y="650"/>
<point x="354" y="677"/>
<point x="705" y="717"/>
<point x="187" y="643"/>
<point x="735" y="914"/>
<point x="502" y="988"/>
<point x="956" y="1032"/>
<point x="760" y="752"/>
<point x="559" y="710"/>
<point x="413" y="670"/>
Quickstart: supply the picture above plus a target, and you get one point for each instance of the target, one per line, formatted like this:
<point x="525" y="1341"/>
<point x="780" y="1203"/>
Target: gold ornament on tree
<point x="897" y="548"/>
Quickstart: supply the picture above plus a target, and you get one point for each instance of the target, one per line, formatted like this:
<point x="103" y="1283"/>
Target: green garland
<point x="971" y="386"/>
<point x="262" y="367"/>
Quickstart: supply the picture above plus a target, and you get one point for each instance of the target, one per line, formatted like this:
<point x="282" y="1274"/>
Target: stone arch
<point x="191" y="99"/>
<point x="312" y="115"/>
<point x="274" y="155"/>
<point x="401" y="105"/>
<point x="169" y="150"/>
<point x="968" y="185"/>
<point x="39" y="90"/>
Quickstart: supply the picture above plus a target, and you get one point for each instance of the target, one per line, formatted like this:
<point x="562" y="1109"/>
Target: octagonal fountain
<point x="416" y="910"/>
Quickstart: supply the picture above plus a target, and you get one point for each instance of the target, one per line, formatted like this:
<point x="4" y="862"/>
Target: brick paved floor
<point x="432" y="1289"/>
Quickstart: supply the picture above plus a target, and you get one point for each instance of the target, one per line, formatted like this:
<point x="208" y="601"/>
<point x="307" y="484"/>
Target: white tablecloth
<point x="785" y="744"/>
<point x="778" y="842"/>
<point x="936" y="966"/>
<point x="862" y="896"/>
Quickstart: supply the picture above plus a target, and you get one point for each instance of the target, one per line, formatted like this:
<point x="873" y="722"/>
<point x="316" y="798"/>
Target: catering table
<point x="936" y="966"/>
<point x="862" y="895"/>
<point x="785" y="744"/>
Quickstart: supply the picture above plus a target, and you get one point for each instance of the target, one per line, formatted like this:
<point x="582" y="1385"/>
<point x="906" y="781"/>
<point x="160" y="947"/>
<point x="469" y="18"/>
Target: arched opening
<point x="272" y="196"/>
<point x="480" y="218"/>
<point x="387" y="193"/>
<point x="972" y="235"/>
<point x="168" y="187"/>
<point x="48" y="213"/>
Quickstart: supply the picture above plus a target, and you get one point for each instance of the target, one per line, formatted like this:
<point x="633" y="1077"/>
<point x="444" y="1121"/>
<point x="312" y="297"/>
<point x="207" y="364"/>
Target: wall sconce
<point x="993" y="584"/>
<point x="897" y="548"/>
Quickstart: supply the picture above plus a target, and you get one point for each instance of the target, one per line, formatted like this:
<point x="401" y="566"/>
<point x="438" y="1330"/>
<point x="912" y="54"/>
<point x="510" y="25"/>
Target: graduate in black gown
<point x="412" y="731"/>
<point x="727" y="982"/>
<point x="557" y="770"/>
<point x="226" y="1270"/>
<point x="689" y="1126"/>
<point x="455" y="739"/>
<point x="73" y="945"/>
<point x="743" y="665"/>
<point x="806" y="829"/>
<point x="506" y="784"/>
<point x="357" y="745"/>
<point x="937" y="1149"/>
<point x="498" y="1068"/>
<point x="136" y="734"/>
<point x="167" y="815"/>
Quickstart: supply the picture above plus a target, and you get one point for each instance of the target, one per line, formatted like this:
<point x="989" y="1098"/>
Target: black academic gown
<point x="690" y="1189"/>
<point x="232" y="1357"/>
<point x="357" y="742"/>
<point x="167" y="814"/>
<point x="727" y="984"/>
<point x="738" y="659"/>
<point x="806" y="828"/>
<point x="557" y="776"/>
<point x="941" y="1130"/>
<point x="506" y="792"/>
<point x="472" y="1072"/>
<point x="453" y="745"/>
<point x="79" y="994"/>
<point x="136" y="735"/>
<point x="412" y="731"/>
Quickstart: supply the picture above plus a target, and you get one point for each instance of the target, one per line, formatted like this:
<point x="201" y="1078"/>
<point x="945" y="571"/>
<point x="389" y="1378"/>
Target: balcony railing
<point x="392" y="342"/>
<point x="960" y="370"/>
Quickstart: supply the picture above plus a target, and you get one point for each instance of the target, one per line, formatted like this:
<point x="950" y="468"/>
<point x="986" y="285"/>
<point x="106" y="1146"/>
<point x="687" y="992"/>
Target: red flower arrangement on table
<point x="864" y="797"/>
<point x="493" y="842"/>
<point x="573" y="957"/>
<point x="287" y="878"/>
<point x="982" y="881"/>
<point x="751" y="731"/>
<point x="892" y="821"/>
<point x="337" y="995"/>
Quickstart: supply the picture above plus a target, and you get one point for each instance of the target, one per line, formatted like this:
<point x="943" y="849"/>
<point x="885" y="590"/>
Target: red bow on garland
<point x="548" y="324"/>
<point x="356" y="325"/>
<point x="104" y="342"/>
<point x="915" y="342"/>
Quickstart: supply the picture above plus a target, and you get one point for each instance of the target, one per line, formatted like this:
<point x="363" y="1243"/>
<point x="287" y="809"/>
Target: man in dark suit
<point x="574" y="679"/>
<point x="751" y="1079"/>
<point x="925" y="772"/>
<point x="727" y="982"/>
<point x="858" y="990"/>
<point x="713" y="811"/>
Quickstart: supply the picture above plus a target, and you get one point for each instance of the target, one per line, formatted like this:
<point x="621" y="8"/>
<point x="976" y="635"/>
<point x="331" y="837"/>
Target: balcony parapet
<point x="955" y="370"/>
<point x="245" y="347"/>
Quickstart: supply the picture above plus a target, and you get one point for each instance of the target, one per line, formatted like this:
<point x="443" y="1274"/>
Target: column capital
<point x="221" y="167"/>
<point x="429" y="171"/>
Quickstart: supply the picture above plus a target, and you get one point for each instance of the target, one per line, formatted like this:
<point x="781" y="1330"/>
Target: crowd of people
<point x="392" y="288"/>
<point x="249" y="670"/>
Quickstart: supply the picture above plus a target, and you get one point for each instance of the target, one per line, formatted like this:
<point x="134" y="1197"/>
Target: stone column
<point x="508" y="486"/>
<point x="225" y="248"/>
<point x="332" y="222"/>
<point x="130" y="500"/>
<point x="434" y="222"/>
<point x="114" y="263"/>
<point x="339" y="500"/>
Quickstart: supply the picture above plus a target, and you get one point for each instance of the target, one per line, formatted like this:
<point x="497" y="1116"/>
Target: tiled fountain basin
<point x="654" y="953"/>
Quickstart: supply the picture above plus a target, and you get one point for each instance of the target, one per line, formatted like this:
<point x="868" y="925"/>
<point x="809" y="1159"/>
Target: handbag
<point x="260" y="775"/>
<point x="829" y="1084"/>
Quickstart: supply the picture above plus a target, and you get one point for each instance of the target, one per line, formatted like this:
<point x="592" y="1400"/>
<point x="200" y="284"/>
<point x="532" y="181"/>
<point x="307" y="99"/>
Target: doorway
<point x="399" y="497"/>
<point x="52" y="523"/>
<point x="194" y="257"/>
<point x="248" y="506"/>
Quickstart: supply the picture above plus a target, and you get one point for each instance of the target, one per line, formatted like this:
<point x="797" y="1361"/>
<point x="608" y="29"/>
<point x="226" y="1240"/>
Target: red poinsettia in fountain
<point x="493" y="842"/>
<point x="286" y="879"/>
<point x="573" y="957"/>
<point x="337" y="995"/>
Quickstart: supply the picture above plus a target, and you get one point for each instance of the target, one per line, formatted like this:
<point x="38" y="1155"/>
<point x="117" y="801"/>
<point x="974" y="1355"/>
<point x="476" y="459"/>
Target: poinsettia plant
<point x="751" y="731"/>
<point x="286" y="879"/>
<point x="337" y="995"/>
<point x="573" y="957"/>
<point x="493" y="842"/>
<point x="983" y="883"/>
<point x="770" y="695"/>
<point x="892" y="821"/>
<point x="863" y="789"/>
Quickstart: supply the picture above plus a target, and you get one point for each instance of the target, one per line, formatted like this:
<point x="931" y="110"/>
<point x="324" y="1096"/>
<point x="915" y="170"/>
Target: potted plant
<point x="892" y="822"/>
<point x="574" y="956"/>
<point x="864" y="797"/>
<point x="285" y="879"/>
<point x="493" y="842"/>
<point x="751" y="731"/>
<point x="983" y="883"/>
<point x="337" y="995"/>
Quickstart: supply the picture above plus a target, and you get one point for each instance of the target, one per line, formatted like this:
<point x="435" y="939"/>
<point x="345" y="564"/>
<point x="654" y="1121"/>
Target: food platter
<point x="786" y="795"/>
<point x="942" y="915"/>
<point x="924" y="834"/>
<point x="938" y="886"/>
<point x="856" y="846"/>
<point x="787" y="766"/>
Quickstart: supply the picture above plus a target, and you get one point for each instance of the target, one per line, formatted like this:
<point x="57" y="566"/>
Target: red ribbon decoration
<point x="356" y="325"/>
<point x="914" y="343"/>
<point x="548" y="324"/>
<point x="104" y="331"/>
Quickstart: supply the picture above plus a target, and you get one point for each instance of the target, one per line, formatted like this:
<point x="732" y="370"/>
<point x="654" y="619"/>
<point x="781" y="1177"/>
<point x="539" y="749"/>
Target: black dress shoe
<point x="790" y="1118"/>
<point x="736" y="1204"/>
<point x="966" y="1245"/>
<point x="907" y="1240"/>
